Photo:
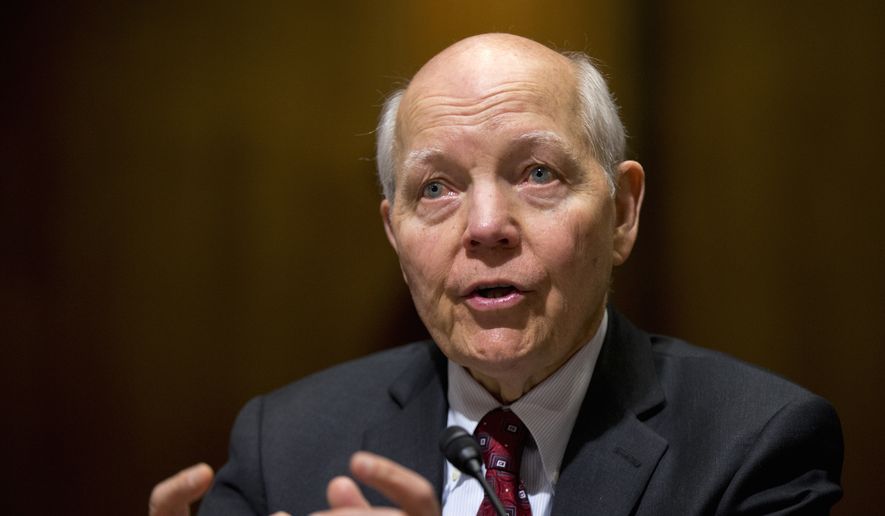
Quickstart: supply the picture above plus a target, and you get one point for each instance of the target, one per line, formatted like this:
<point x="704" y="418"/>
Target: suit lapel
<point x="612" y="454"/>
<point x="411" y="434"/>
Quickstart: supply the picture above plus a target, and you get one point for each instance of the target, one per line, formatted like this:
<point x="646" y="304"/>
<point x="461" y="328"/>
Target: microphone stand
<point x="462" y="450"/>
<point x="490" y="494"/>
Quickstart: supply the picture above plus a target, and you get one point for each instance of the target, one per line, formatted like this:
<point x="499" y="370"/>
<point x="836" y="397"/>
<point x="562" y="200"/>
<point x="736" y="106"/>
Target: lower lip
<point x="480" y="303"/>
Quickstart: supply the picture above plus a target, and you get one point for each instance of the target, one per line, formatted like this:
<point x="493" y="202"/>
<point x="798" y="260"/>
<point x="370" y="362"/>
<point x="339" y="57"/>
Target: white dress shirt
<point x="548" y="410"/>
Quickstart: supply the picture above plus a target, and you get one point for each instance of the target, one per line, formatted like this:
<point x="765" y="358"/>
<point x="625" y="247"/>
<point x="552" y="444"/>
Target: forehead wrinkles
<point x="440" y="110"/>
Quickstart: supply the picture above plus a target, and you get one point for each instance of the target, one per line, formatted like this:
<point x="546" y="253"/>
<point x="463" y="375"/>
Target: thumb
<point x="173" y="496"/>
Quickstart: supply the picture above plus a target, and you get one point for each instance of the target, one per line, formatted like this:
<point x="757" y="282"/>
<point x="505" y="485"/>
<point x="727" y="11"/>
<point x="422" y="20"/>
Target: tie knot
<point x="502" y="436"/>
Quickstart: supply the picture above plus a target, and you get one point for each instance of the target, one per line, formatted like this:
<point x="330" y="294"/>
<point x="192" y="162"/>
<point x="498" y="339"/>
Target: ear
<point x="385" y="216"/>
<point x="391" y="236"/>
<point x="628" y="201"/>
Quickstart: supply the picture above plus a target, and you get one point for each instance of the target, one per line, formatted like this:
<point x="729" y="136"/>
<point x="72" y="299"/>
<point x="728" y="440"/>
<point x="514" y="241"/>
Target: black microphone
<point x="462" y="450"/>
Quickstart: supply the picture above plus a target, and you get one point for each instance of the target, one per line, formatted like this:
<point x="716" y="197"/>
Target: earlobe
<point x="628" y="202"/>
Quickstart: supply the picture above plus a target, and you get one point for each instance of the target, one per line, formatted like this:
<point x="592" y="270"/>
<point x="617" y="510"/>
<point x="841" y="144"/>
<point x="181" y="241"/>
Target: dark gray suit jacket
<point x="665" y="429"/>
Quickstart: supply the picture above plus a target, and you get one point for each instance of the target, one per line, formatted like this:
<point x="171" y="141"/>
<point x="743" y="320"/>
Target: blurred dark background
<point x="189" y="213"/>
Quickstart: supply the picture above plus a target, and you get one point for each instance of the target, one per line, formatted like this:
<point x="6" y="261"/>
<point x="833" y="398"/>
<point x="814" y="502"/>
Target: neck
<point x="503" y="391"/>
<point x="509" y="388"/>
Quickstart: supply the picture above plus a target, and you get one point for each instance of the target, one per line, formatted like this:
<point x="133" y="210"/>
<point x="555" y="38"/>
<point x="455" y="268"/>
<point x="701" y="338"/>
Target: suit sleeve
<point x="794" y="466"/>
<point x="238" y="489"/>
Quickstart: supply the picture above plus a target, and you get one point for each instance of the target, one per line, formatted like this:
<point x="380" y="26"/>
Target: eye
<point x="434" y="190"/>
<point x="539" y="174"/>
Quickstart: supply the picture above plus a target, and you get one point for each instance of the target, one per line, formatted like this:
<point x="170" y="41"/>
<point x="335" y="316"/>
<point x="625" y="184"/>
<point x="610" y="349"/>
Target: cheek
<point x="424" y="265"/>
<point x="576" y="250"/>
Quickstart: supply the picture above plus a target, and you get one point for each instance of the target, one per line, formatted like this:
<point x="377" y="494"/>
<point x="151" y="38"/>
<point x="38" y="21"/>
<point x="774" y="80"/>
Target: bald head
<point x="472" y="74"/>
<point x="477" y="64"/>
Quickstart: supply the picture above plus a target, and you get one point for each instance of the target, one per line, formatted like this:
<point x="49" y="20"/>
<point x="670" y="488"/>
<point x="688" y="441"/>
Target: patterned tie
<point x="501" y="437"/>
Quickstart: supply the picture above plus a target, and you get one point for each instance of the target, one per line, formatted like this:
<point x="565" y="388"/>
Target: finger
<point x="173" y="496"/>
<point x="343" y="492"/>
<point x="407" y="489"/>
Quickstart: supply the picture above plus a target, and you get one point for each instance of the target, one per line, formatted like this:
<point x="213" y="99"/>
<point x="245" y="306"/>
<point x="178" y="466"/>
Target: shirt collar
<point x="549" y="410"/>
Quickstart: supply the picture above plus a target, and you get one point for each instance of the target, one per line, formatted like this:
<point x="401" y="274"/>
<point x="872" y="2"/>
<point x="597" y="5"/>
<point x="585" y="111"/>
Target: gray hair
<point x="599" y="115"/>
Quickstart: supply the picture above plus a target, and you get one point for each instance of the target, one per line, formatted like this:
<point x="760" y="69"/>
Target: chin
<point x="499" y="349"/>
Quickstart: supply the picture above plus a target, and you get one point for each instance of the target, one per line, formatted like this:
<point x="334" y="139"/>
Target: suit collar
<point x="410" y="437"/>
<point x="612" y="453"/>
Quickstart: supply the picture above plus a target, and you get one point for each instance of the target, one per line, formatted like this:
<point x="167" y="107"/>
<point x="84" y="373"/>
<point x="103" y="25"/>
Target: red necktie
<point x="502" y="437"/>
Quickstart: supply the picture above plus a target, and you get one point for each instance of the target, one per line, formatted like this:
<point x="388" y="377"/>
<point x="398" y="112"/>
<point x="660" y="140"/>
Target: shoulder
<point x="740" y="416"/>
<point x="357" y="391"/>
<point x="360" y="383"/>
<point x="672" y="378"/>
<point x="748" y="434"/>
<point x="717" y="380"/>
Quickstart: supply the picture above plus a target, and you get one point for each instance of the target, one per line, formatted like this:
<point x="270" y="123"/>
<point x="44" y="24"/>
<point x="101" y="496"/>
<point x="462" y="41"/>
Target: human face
<point x="504" y="224"/>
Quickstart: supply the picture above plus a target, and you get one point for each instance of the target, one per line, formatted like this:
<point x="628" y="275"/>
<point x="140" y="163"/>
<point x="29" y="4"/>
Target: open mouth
<point x="495" y="292"/>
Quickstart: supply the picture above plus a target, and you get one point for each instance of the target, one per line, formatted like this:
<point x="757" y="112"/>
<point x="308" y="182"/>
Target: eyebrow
<point x="427" y="155"/>
<point x="545" y="138"/>
<point x="424" y="156"/>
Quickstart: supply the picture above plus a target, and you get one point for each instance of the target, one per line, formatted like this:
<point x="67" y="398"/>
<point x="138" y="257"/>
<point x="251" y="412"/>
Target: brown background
<point x="189" y="215"/>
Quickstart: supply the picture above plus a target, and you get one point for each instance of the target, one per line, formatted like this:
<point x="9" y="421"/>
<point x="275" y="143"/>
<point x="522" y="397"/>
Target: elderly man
<point x="508" y="202"/>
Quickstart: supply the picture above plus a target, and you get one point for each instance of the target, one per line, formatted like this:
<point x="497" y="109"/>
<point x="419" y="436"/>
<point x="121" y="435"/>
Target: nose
<point x="490" y="220"/>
